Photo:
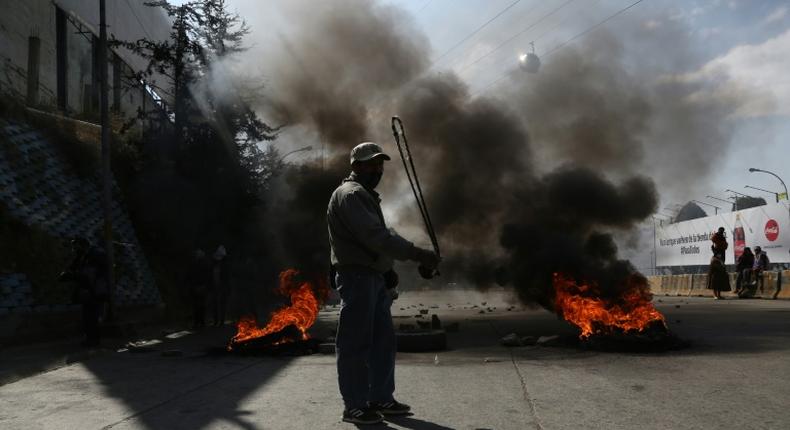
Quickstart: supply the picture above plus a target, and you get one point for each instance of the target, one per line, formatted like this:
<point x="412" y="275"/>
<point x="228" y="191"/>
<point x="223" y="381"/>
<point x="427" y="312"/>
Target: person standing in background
<point x="720" y="245"/>
<point x="220" y="285"/>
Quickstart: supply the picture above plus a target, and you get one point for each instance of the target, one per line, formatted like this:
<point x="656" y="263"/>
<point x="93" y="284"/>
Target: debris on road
<point x="142" y="346"/>
<point x="178" y="334"/>
<point x="510" y="339"/>
<point x="547" y="340"/>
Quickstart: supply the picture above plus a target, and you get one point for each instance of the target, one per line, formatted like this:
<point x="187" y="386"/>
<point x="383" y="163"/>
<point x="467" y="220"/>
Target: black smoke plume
<point x="531" y="180"/>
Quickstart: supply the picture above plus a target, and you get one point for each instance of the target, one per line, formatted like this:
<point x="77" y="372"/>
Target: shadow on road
<point x="409" y="422"/>
<point x="188" y="391"/>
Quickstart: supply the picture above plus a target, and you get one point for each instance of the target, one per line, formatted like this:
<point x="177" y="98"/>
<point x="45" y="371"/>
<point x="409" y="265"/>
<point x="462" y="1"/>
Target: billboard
<point x="688" y="243"/>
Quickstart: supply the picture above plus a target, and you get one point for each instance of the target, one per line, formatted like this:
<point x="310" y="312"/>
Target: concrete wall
<point x="776" y="285"/>
<point x="22" y="20"/>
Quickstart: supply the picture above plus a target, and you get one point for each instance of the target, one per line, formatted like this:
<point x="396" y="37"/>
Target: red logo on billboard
<point x="771" y="230"/>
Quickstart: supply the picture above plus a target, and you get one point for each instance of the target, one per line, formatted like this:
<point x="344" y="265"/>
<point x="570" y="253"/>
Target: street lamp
<point x="740" y="194"/>
<point x="752" y="169"/>
<point x="306" y="148"/>
<point x="716" y="198"/>
<point x="765" y="191"/>
<point x="715" y="208"/>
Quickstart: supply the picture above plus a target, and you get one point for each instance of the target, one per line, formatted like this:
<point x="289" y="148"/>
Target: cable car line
<point x="540" y="36"/>
<point x="563" y="44"/>
<point x="438" y="59"/>
<point x="498" y="47"/>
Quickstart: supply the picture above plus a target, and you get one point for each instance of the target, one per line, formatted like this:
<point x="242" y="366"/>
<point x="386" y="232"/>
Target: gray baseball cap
<point x="367" y="151"/>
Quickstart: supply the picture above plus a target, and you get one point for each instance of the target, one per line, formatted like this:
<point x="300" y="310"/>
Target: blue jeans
<point x="365" y="341"/>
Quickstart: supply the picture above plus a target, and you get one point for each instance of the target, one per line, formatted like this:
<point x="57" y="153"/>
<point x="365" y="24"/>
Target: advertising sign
<point x="688" y="243"/>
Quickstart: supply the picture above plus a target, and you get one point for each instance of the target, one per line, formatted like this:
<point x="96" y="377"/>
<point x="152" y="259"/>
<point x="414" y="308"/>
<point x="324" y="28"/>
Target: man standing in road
<point x="363" y="250"/>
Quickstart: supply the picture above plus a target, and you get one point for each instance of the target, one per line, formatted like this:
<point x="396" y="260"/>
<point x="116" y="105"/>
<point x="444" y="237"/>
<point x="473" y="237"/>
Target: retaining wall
<point x="776" y="285"/>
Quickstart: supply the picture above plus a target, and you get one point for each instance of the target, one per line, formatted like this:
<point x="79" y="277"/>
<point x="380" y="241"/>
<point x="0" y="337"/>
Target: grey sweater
<point x="357" y="232"/>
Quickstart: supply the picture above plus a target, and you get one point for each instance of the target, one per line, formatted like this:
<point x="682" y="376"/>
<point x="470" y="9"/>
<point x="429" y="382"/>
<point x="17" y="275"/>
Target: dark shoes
<point x="375" y="412"/>
<point x="391" y="408"/>
<point x="362" y="416"/>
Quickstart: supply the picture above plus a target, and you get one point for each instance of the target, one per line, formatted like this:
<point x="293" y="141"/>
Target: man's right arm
<point x="359" y="213"/>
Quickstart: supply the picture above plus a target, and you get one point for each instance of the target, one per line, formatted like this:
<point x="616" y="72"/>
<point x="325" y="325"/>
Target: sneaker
<point x="393" y="407"/>
<point x="362" y="416"/>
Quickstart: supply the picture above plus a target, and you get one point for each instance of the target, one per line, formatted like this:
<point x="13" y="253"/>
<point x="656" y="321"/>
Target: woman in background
<point x="718" y="279"/>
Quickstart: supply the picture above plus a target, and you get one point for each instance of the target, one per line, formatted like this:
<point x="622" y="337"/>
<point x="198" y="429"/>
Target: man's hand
<point x="427" y="258"/>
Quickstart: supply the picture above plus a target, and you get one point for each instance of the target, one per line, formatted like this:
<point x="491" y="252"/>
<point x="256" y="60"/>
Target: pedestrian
<point x="761" y="264"/>
<point x="720" y="245"/>
<point x="198" y="279"/>
<point x="744" y="269"/>
<point x="89" y="274"/>
<point x="718" y="279"/>
<point x="362" y="253"/>
<point x="220" y="281"/>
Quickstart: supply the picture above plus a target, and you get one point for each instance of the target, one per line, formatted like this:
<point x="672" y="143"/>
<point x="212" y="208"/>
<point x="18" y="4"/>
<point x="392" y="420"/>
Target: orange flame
<point x="578" y="304"/>
<point x="301" y="313"/>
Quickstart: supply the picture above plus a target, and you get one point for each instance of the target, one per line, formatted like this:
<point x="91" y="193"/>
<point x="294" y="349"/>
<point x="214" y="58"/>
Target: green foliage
<point x="199" y="182"/>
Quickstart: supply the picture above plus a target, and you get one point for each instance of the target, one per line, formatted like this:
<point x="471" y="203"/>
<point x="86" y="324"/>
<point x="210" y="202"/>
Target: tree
<point x="205" y="35"/>
<point x="205" y="188"/>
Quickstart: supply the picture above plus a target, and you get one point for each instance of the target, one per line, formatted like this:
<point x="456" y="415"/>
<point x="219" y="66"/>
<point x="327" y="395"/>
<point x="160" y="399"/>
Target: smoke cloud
<point x="534" y="179"/>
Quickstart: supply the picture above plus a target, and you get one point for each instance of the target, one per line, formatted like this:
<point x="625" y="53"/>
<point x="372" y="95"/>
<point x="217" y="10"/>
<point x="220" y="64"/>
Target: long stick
<point x="411" y="173"/>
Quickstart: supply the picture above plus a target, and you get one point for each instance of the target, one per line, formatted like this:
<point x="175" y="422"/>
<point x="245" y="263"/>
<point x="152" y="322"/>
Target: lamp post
<point x="106" y="172"/>
<point x="765" y="191"/>
<point x="715" y="208"/>
<point x="662" y="218"/>
<point x="752" y="169"/>
<point x="306" y="148"/>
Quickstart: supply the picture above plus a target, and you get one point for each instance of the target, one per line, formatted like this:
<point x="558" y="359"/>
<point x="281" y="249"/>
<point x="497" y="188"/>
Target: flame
<point x="305" y="299"/>
<point x="578" y="304"/>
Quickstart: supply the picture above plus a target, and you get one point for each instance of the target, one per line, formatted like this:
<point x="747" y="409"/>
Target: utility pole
<point x="106" y="197"/>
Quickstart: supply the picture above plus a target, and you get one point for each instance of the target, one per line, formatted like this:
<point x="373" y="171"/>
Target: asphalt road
<point x="734" y="375"/>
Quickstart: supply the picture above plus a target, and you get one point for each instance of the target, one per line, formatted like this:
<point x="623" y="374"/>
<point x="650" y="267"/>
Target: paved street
<point x="735" y="374"/>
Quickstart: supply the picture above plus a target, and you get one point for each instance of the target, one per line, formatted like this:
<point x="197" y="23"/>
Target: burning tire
<point x="422" y="341"/>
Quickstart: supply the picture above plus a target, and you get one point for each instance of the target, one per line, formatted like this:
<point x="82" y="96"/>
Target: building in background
<point x="49" y="56"/>
<point x="49" y="68"/>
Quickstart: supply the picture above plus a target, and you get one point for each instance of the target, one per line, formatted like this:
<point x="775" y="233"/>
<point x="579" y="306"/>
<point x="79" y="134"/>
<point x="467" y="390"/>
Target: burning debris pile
<point x="286" y="325"/>
<point x="581" y="305"/>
